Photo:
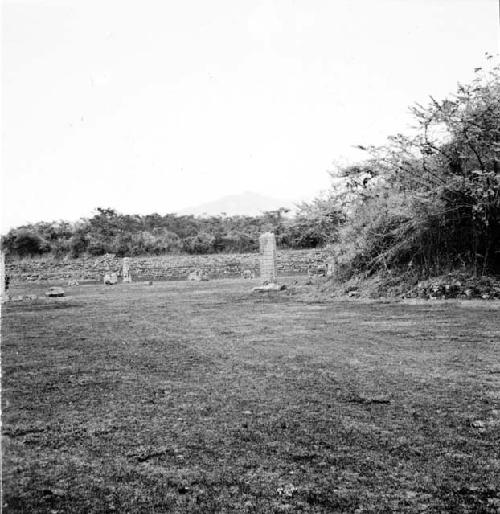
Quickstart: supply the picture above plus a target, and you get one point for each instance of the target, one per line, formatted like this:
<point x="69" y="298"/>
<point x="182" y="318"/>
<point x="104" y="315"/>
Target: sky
<point x="156" y="105"/>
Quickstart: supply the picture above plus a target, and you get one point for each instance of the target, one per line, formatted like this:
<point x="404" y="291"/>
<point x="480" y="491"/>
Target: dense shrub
<point x="430" y="201"/>
<point x="78" y="244"/>
<point x="200" y="243"/>
<point x="24" y="243"/>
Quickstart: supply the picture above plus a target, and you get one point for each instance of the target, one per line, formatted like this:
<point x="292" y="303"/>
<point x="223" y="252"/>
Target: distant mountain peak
<point x="247" y="203"/>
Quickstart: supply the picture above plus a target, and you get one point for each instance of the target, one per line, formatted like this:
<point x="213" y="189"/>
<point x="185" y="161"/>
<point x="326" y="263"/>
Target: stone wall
<point x="168" y="267"/>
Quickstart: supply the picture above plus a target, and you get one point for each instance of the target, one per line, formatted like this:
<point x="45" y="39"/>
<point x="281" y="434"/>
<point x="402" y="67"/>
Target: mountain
<point x="248" y="203"/>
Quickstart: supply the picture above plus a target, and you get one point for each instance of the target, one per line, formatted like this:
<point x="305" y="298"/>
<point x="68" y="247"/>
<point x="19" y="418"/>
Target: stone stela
<point x="127" y="277"/>
<point x="267" y="244"/>
<point x="2" y="276"/>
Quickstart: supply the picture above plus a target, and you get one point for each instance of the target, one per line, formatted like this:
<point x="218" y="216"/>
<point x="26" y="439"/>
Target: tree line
<point x="108" y="231"/>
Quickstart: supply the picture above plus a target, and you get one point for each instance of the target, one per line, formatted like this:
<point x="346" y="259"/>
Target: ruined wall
<point x="168" y="267"/>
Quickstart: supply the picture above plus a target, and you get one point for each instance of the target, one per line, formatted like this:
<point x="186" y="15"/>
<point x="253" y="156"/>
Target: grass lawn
<point x="201" y="397"/>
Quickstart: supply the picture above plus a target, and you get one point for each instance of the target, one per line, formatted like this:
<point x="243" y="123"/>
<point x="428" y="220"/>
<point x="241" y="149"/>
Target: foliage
<point x="26" y="242"/>
<point x="315" y="225"/>
<point x="108" y="231"/>
<point x="200" y="243"/>
<point x="430" y="200"/>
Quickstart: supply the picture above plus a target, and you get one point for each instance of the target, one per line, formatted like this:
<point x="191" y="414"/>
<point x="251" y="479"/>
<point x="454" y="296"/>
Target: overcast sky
<point x="154" y="105"/>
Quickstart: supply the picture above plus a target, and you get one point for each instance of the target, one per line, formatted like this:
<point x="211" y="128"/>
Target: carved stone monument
<point x="127" y="277"/>
<point x="2" y="277"/>
<point x="267" y="243"/>
<point x="330" y="267"/>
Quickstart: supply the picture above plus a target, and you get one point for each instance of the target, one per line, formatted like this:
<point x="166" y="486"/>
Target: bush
<point x="78" y="245"/>
<point x="202" y="243"/>
<point x="24" y="243"/>
<point x="432" y="201"/>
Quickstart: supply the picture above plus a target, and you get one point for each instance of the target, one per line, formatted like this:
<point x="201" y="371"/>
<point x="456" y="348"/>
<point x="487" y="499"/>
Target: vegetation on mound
<point x="427" y="203"/>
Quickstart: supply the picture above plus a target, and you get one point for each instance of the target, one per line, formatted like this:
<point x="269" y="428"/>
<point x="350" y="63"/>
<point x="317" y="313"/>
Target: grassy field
<point x="201" y="397"/>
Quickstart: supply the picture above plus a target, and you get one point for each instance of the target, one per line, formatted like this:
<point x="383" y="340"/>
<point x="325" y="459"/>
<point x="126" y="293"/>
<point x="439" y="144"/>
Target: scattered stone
<point x="197" y="276"/>
<point x="448" y="287"/>
<point x="320" y="270"/>
<point x="269" y="287"/>
<point x="110" y="279"/>
<point x="55" y="292"/>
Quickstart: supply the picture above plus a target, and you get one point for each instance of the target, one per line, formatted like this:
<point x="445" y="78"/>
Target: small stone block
<point x="55" y="292"/>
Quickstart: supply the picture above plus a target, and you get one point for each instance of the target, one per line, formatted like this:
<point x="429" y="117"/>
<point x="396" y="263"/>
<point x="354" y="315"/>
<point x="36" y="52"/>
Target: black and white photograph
<point x="250" y="256"/>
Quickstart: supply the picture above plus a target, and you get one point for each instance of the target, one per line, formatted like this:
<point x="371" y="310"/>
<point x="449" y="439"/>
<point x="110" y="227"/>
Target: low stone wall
<point x="168" y="267"/>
